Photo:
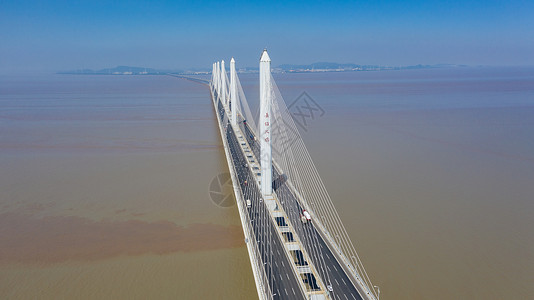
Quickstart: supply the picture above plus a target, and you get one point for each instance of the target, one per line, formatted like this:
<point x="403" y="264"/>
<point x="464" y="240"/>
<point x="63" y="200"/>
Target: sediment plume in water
<point x="54" y="239"/>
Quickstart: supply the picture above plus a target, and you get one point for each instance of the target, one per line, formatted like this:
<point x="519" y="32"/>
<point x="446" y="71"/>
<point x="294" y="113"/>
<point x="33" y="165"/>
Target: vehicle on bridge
<point x="305" y="217"/>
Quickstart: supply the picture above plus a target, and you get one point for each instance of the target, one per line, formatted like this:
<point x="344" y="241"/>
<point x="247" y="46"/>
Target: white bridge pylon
<point x="230" y="93"/>
<point x="265" y="124"/>
<point x="233" y="93"/>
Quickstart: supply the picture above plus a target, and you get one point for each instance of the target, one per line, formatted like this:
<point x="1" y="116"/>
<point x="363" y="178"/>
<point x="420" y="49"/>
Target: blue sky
<point x="62" y="35"/>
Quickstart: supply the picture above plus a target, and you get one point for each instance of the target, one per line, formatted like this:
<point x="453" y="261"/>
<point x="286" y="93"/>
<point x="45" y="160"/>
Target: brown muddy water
<point x="104" y="192"/>
<point x="104" y="184"/>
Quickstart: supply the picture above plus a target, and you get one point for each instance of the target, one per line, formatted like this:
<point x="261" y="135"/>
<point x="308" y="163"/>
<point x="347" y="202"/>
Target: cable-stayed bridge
<point x="297" y="244"/>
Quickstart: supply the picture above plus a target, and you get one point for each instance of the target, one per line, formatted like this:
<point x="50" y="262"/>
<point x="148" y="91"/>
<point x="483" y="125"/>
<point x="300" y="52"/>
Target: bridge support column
<point x="213" y="78"/>
<point x="219" y="85"/>
<point x="223" y="84"/>
<point x="233" y="92"/>
<point x="265" y="124"/>
<point x="217" y="80"/>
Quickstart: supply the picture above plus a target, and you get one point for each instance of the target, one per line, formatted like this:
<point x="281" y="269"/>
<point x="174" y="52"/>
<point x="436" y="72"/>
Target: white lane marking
<point x="335" y="268"/>
<point x="343" y="281"/>
<point x="353" y="296"/>
<point x="336" y="281"/>
<point x="286" y="291"/>
<point x="346" y="297"/>
<point x="280" y="276"/>
<point x="328" y="269"/>
<point x="287" y="276"/>
<point x="293" y="291"/>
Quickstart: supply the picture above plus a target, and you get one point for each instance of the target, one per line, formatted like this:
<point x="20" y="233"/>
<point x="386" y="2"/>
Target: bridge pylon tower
<point x="265" y="124"/>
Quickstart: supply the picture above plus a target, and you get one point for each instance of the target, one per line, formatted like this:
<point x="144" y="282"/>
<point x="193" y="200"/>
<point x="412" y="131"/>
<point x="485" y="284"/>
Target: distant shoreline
<point x="312" y="68"/>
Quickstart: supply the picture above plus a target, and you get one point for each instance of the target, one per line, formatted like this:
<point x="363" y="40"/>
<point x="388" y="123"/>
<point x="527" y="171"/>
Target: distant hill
<point x="344" y="67"/>
<point x="122" y="70"/>
<point x="127" y="69"/>
<point x="320" y="65"/>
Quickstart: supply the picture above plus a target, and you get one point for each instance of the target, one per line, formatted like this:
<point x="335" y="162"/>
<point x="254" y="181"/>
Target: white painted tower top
<point x="265" y="56"/>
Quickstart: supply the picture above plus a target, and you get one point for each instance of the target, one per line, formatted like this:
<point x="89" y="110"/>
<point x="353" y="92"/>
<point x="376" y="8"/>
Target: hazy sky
<point x="62" y="35"/>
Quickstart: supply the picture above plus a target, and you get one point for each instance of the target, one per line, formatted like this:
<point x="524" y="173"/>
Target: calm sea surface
<point x="104" y="183"/>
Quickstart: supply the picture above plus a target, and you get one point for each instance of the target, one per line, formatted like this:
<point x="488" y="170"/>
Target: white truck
<point x="249" y="204"/>
<point x="305" y="217"/>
